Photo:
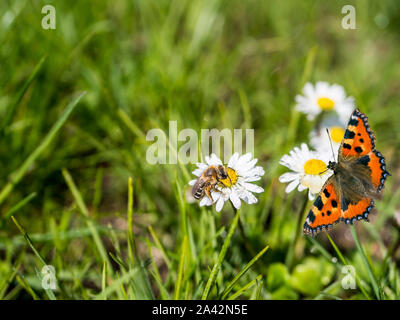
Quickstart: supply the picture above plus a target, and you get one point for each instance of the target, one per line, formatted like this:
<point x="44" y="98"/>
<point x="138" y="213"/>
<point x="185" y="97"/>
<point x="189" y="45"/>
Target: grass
<point x="76" y="104"/>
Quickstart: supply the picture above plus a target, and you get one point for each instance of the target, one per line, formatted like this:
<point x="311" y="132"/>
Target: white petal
<point x="311" y="195"/>
<point x="311" y="117"/>
<point x="233" y="160"/>
<point x="192" y="182"/>
<point x="214" y="160"/>
<point x="291" y="186"/>
<point x="235" y="200"/>
<point x="198" y="172"/>
<point x="205" y="202"/>
<point x="314" y="182"/>
<point x="308" y="89"/>
<point x="257" y="171"/>
<point x="246" y="167"/>
<point x="215" y="195"/>
<point x="251" y="199"/>
<point x="253" y="188"/>
<point x="243" y="159"/>
<point x="220" y="204"/>
<point x="248" y="197"/>
<point x="301" y="187"/>
<point x="252" y="178"/>
<point x="288" y="176"/>
<point x="252" y="163"/>
<point x="202" y="166"/>
<point x="304" y="148"/>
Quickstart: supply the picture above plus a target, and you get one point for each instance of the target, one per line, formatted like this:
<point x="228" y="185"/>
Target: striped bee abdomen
<point x="198" y="189"/>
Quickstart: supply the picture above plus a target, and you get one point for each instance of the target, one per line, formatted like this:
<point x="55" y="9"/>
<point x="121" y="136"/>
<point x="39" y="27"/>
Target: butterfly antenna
<point x="323" y="172"/>
<point x="330" y="141"/>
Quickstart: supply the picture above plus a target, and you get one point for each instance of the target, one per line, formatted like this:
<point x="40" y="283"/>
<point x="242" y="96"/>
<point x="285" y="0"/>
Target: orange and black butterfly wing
<point x="366" y="164"/>
<point x="357" y="211"/>
<point x="325" y="211"/>
<point x="358" y="145"/>
<point x="377" y="166"/>
<point x="358" y="139"/>
<point x="359" y="142"/>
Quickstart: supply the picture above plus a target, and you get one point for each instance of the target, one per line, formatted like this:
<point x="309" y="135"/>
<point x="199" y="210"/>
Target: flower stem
<point x="291" y="251"/>
<point x="221" y="257"/>
<point x="366" y="263"/>
<point x="345" y="263"/>
<point x="245" y="239"/>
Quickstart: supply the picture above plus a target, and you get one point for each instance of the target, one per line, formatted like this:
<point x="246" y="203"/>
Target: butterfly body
<point x="358" y="177"/>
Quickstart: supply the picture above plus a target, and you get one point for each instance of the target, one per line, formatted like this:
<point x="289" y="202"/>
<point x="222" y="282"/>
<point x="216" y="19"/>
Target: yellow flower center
<point x="314" y="167"/>
<point x="325" y="103"/>
<point x="231" y="180"/>
<point x="337" y="134"/>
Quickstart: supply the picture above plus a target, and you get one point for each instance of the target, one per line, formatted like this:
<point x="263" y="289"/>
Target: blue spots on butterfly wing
<point x="363" y="215"/>
<point x="385" y="173"/>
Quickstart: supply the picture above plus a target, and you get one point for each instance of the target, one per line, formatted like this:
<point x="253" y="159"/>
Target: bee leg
<point x="208" y="193"/>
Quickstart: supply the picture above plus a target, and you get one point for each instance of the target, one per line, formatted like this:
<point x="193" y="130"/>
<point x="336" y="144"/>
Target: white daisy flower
<point x="324" y="97"/>
<point x="319" y="138"/>
<point x="237" y="186"/>
<point x="309" y="170"/>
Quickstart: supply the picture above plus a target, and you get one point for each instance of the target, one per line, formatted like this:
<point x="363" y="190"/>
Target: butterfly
<point x="358" y="176"/>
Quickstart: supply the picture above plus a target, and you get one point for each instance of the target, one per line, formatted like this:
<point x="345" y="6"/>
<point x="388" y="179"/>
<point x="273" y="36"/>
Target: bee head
<point x="222" y="173"/>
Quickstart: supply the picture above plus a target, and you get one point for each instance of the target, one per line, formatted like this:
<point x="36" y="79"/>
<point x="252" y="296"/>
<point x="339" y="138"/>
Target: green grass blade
<point x="49" y="292"/>
<point x="298" y="231"/>
<point x="141" y="284"/>
<point x="116" y="285"/>
<point x="308" y="66"/>
<point x="259" y="289"/>
<point x="242" y="272"/>
<point x="104" y="279"/>
<point x="28" y="240"/>
<point x="123" y="291"/>
<point x="131" y="244"/>
<point x="130" y="124"/>
<point x="27" y="287"/>
<point x="341" y="257"/>
<point x="180" y="270"/>
<point x="334" y="286"/>
<point x="344" y="262"/>
<point x="17" y="176"/>
<point x="12" y="109"/>
<point x="221" y="256"/>
<point x="245" y="288"/>
<point x="7" y="281"/>
<point x="156" y="273"/>
<point x="17" y="207"/>
<point x="371" y="274"/>
<point x="320" y="248"/>
<point x="160" y="247"/>
<point x="84" y="210"/>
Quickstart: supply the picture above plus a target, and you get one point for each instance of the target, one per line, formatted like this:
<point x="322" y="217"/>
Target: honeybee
<point x="208" y="181"/>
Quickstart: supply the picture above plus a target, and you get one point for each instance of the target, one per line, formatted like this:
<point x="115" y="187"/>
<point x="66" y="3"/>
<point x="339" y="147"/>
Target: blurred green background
<point x="207" y="64"/>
